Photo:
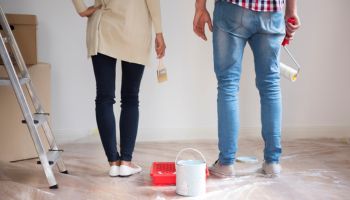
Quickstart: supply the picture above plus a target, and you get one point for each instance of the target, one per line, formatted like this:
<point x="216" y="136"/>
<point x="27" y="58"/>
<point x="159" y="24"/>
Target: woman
<point x="120" y="29"/>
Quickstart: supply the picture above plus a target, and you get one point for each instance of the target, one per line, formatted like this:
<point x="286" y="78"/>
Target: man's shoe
<point x="222" y="171"/>
<point x="271" y="168"/>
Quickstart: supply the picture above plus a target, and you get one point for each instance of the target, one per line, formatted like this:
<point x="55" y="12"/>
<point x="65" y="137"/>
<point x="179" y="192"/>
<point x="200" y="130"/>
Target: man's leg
<point x="266" y="46"/>
<point x="229" y="40"/>
<point x="228" y="52"/>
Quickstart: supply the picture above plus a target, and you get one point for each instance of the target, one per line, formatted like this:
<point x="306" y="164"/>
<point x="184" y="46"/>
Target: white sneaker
<point x="125" y="171"/>
<point x="114" y="171"/>
<point x="271" y="168"/>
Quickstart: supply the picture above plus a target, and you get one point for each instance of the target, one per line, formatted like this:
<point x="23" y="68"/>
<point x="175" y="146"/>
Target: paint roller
<point x="286" y="71"/>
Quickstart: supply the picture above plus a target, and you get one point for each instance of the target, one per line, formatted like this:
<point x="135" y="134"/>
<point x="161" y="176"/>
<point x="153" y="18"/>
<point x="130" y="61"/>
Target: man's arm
<point x="291" y="12"/>
<point x="201" y="18"/>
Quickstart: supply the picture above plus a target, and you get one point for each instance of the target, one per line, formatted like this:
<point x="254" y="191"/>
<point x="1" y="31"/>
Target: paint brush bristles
<point x="162" y="72"/>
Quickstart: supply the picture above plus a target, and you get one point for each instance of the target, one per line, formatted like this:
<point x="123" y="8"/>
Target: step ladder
<point x="52" y="157"/>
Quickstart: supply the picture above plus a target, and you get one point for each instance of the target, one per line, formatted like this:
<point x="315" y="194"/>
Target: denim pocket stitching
<point x="226" y="19"/>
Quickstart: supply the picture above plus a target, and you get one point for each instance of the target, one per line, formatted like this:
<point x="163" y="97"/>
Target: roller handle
<point x="293" y="21"/>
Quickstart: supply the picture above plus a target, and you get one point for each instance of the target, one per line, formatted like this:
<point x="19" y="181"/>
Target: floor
<point x="312" y="169"/>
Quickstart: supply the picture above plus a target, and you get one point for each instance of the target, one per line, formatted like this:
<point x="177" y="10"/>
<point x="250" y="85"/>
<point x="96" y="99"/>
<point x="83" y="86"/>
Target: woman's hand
<point x="91" y="10"/>
<point x="160" y="45"/>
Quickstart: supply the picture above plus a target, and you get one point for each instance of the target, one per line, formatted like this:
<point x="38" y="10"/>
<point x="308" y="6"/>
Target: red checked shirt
<point x="260" y="5"/>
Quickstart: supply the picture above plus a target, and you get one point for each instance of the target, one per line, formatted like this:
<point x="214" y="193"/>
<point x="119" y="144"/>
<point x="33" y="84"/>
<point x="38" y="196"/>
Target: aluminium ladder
<point x="39" y="119"/>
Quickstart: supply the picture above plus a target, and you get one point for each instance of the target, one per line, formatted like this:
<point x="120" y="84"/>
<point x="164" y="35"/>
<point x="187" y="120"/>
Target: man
<point x="261" y="24"/>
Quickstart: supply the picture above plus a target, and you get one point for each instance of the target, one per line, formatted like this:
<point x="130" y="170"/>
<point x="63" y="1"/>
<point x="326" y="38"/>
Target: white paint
<point x="185" y="106"/>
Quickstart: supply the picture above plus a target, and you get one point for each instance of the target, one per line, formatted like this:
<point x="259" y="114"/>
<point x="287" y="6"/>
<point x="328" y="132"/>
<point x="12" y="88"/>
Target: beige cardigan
<point x="122" y="29"/>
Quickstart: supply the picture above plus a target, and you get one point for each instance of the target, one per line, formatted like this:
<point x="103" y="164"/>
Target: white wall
<point x="185" y="107"/>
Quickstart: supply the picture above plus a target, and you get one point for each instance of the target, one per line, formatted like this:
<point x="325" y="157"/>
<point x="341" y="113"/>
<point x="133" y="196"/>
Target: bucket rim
<point x="187" y="163"/>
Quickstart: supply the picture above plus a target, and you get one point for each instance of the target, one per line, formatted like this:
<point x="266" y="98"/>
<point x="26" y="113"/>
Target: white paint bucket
<point x="190" y="175"/>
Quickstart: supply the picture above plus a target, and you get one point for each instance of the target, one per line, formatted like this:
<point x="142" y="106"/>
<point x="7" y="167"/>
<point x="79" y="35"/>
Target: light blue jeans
<point x="234" y="26"/>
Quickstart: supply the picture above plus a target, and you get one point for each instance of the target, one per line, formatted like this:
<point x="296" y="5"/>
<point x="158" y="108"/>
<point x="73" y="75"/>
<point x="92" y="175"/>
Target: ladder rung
<point x="6" y="81"/>
<point x="52" y="156"/>
<point x="39" y="119"/>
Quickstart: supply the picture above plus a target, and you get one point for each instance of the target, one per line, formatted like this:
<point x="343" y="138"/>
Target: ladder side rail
<point x="26" y="112"/>
<point x="20" y="61"/>
<point x="53" y="145"/>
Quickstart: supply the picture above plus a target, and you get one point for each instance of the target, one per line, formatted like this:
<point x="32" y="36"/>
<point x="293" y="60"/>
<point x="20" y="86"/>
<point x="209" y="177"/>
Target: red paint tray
<point x="164" y="173"/>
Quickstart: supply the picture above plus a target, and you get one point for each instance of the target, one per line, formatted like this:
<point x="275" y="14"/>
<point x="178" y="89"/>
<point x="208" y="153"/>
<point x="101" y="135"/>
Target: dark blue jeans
<point x="105" y="71"/>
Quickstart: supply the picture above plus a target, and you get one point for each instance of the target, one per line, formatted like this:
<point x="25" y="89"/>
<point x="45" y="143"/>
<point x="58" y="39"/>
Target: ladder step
<point x="52" y="156"/>
<point x="39" y="119"/>
<point x="6" y="81"/>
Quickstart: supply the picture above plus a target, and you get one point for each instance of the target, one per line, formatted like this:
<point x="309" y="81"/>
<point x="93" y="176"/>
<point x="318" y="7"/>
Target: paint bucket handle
<point x="187" y="149"/>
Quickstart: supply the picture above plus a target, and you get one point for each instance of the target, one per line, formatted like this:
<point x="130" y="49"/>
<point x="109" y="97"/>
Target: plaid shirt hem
<point x="260" y="5"/>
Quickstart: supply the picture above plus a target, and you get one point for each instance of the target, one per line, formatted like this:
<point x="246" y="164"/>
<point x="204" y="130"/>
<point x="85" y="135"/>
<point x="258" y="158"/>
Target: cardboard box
<point x="15" y="140"/>
<point x="24" y="30"/>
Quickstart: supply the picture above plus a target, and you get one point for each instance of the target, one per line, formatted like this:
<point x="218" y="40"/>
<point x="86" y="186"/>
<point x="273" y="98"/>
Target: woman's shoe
<point x="125" y="171"/>
<point x="114" y="171"/>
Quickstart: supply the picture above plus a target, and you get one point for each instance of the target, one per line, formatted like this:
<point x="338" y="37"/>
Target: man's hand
<point x="91" y="10"/>
<point x="201" y="18"/>
<point x="160" y="45"/>
<point x="291" y="28"/>
<point x="291" y="12"/>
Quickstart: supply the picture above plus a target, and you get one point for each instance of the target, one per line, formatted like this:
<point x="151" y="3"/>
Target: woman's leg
<point x="129" y="116"/>
<point x="104" y="69"/>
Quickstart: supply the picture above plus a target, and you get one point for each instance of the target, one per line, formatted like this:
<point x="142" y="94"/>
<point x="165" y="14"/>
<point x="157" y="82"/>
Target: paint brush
<point x="162" y="74"/>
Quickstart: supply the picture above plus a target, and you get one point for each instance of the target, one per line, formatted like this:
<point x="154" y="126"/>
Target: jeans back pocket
<point x="228" y="16"/>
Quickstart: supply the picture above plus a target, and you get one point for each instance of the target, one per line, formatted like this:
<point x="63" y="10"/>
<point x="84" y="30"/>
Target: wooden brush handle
<point x="160" y="64"/>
